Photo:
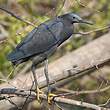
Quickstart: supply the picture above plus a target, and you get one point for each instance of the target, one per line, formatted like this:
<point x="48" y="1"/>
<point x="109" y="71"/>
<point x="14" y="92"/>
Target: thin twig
<point x="9" y="99"/>
<point x="61" y="7"/>
<point x="17" y="17"/>
<point x="58" y="106"/>
<point x="107" y="102"/>
<point x="6" y="97"/>
<point x="28" y="96"/>
<point x="84" y="92"/>
<point x="96" y="30"/>
<point x="83" y="5"/>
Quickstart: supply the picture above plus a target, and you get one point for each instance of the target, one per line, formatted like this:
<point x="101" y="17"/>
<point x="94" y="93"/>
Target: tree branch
<point x="56" y="99"/>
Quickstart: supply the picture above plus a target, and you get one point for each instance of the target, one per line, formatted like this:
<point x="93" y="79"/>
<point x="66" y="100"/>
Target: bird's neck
<point x="67" y="32"/>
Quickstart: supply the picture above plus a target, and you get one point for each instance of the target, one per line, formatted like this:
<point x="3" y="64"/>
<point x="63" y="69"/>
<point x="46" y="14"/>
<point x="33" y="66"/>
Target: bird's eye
<point x="73" y="17"/>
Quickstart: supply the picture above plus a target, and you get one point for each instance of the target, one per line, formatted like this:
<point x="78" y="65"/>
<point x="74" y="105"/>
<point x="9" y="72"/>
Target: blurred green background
<point x="12" y="32"/>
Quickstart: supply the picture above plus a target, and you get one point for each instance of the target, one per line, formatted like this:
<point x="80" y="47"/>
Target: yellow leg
<point x="50" y="97"/>
<point x="38" y="91"/>
<point x="49" y="94"/>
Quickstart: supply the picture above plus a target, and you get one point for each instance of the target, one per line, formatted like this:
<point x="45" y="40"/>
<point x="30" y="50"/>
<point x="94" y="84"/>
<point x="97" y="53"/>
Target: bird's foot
<point x="38" y="92"/>
<point x="50" y="97"/>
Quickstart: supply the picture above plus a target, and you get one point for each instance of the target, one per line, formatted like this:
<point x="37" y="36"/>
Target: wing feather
<point x="38" y="40"/>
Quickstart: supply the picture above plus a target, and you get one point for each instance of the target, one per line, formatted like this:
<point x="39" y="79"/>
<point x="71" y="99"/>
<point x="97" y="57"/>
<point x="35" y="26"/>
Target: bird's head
<point x="74" y="18"/>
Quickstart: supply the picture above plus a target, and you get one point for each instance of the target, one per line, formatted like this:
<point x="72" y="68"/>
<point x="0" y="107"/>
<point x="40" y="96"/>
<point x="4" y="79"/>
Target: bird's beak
<point x="86" y="22"/>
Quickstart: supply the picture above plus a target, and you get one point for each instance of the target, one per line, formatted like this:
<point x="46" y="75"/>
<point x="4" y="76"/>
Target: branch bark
<point x="71" y="65"/>
<point x="58" y="100"/>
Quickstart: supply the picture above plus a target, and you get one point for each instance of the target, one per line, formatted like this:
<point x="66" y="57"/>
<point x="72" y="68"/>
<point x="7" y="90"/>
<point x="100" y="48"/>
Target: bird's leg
<point x="46" y="75"/>
<point x="49" y="94"/>
<point x="35" y="80"/>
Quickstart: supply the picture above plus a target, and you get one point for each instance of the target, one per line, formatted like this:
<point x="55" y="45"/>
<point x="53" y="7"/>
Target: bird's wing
<point x="38" y="41"/>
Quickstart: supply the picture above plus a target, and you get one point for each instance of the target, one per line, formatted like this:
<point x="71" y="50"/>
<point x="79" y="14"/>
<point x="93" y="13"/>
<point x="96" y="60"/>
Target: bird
<point x="39" y="44"/>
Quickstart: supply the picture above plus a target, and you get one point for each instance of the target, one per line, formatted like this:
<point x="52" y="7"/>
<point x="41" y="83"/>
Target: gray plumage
<point x="43" y="40"/>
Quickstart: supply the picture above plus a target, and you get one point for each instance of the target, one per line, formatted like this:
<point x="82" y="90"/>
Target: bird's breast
<point x="66" y="34"/>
